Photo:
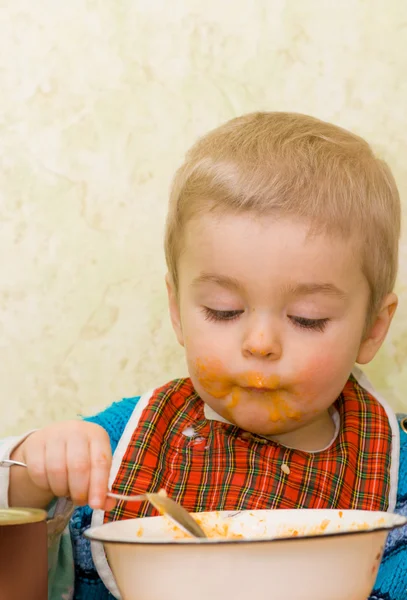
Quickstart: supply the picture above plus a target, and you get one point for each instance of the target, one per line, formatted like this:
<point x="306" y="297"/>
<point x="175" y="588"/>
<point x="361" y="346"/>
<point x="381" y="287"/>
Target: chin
<point x="265" y="428"/>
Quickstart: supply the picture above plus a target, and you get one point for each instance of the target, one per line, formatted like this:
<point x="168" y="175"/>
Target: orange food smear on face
<point x="211" y="375"/>
<point x="258" y="380"/>
<point x="212" y="378"/>
<point x="274" y="413"/>
<point x="234" y="401"/>
<point x="291" y="413"/>
<point x="281" y="410"/>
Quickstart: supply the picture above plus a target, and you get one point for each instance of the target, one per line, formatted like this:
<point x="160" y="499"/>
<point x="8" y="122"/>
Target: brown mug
<point x="23" y="554"/>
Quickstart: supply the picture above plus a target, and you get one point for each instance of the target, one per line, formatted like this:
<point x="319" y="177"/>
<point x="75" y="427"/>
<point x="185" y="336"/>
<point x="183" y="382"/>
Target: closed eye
<point x="311" y="324"/>
<point x="221" y="315"/>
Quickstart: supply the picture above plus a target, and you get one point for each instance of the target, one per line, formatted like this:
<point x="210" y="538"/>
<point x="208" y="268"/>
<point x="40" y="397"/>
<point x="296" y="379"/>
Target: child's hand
<point x="66" y="459"/>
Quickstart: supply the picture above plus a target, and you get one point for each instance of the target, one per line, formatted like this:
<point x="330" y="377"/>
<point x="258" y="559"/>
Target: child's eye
<point x="221" y="315"/>
<point x="313" y="324"/>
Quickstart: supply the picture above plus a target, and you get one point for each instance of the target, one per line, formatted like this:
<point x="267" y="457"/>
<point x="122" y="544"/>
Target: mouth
<point x="259" y="390"/>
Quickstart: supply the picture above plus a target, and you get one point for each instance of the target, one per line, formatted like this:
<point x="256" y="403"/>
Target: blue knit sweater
<point x="391" y="583"/>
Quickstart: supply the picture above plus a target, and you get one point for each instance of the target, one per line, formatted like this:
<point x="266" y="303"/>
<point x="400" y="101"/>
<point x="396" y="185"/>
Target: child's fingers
<point x="55" y="460"/>
<point x="34" y="457"/>
<point x="79" y="466"/>
<point x="101" y="459"/>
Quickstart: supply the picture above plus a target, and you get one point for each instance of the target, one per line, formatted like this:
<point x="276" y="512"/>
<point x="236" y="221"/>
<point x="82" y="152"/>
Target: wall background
<point x="99" y="99"/>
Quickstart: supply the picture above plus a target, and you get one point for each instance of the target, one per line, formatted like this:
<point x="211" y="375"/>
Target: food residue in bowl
<point x="227" y="528"/>
<point x="221" y="530"/>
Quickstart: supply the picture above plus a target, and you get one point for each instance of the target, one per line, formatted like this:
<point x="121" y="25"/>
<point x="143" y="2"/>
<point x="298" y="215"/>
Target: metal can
<point x="23" y="554"/>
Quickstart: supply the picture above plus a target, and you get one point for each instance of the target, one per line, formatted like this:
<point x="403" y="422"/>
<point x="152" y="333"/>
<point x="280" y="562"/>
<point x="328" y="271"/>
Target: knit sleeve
<point x="114" y="418"/>
<point x="391" y="583"/>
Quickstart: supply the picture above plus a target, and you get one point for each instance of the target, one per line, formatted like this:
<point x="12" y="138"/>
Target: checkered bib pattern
<point x="209" y="465"/>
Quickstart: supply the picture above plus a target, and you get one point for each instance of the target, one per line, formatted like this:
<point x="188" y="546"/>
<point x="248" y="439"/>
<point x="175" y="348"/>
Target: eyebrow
<point x="225" y="281"/>
<point x="307" y="289"/>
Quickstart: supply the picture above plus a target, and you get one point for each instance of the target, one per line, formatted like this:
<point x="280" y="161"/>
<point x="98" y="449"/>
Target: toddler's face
<point x="271" y="318"/>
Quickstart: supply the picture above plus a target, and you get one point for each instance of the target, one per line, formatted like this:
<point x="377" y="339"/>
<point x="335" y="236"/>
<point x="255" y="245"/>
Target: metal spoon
<point x="11" y="463"/>
<point x="167" y="507"/>
<point x="159" y="500"/>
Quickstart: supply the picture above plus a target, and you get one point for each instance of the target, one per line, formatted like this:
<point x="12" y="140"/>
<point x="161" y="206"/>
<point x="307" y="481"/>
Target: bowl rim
<point x="91" y="534"/>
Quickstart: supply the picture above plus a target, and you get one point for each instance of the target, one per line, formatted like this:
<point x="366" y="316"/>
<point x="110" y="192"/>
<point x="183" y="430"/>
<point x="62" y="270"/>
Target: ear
<point x="173" y="305"/>
<point x="378" y="331"/>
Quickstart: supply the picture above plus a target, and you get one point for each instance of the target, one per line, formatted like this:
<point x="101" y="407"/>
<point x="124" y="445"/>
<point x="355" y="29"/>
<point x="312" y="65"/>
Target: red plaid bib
<point x="209" y="465"/>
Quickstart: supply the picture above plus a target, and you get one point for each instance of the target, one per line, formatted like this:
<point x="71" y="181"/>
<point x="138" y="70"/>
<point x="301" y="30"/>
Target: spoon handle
<point x="11" y="463"/>
<point x="138" y="498"/>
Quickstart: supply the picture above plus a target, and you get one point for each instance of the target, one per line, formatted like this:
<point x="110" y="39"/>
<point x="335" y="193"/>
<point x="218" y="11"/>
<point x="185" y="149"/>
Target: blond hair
<point x="297" y="166"/>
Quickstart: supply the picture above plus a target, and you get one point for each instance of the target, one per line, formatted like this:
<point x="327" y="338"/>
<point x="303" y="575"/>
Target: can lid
<point x="20" y="516"/>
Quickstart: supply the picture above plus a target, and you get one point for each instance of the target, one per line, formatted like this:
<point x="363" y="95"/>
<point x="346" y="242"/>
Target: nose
<point x="262" y="342"/>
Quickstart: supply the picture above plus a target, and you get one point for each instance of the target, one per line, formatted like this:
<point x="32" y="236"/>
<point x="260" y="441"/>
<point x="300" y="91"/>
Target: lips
<point x="259" y="390"/>
<point x="254" y="380"/>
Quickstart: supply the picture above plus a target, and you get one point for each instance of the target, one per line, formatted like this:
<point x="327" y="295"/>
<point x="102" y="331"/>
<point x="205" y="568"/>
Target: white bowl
<point x="283" y="555"/>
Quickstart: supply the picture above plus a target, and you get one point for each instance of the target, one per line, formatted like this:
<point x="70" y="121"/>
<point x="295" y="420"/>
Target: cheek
<point x="323" y="374"/>
<point x="317" y="365"/>
<point x="200" y="337"/>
